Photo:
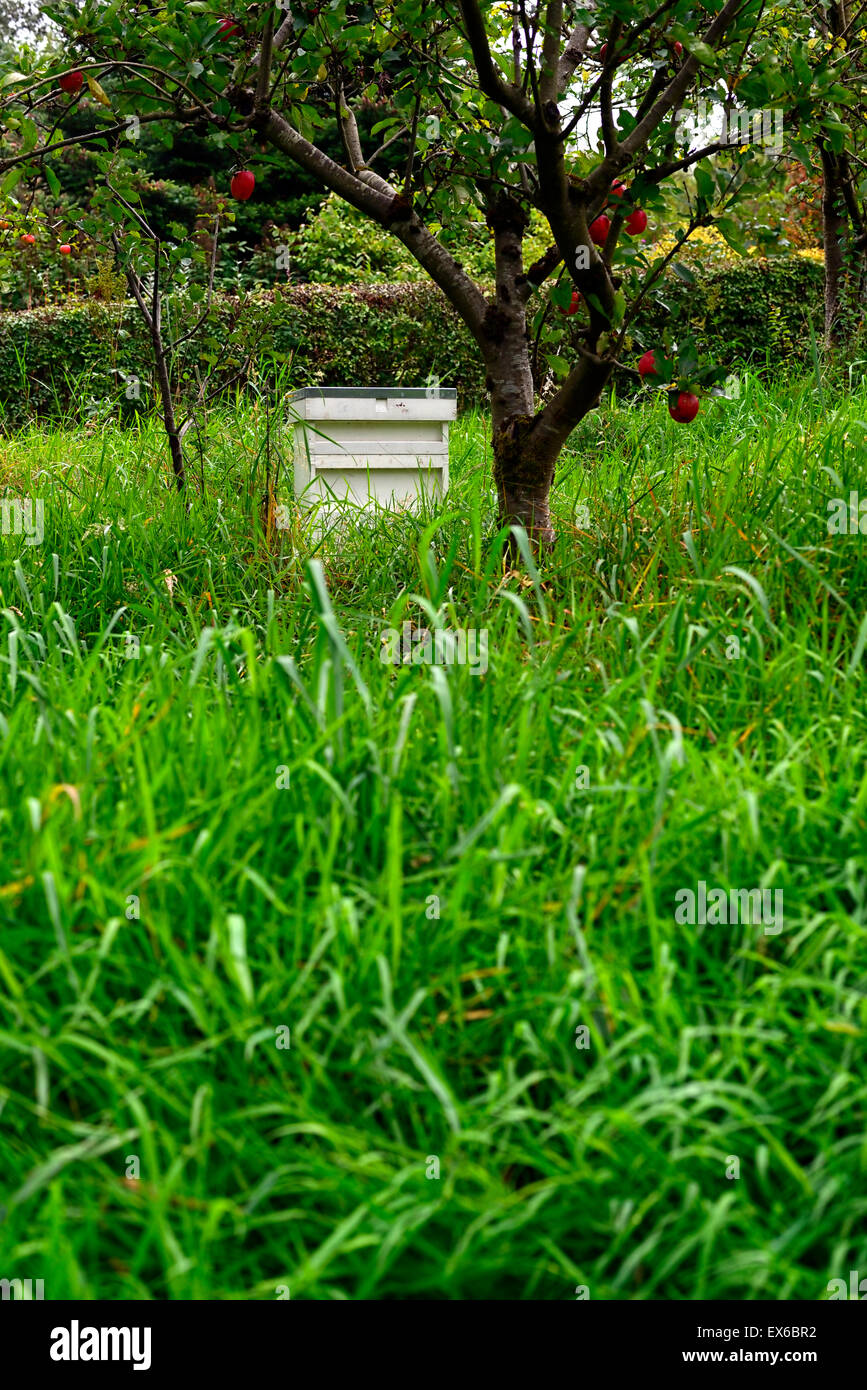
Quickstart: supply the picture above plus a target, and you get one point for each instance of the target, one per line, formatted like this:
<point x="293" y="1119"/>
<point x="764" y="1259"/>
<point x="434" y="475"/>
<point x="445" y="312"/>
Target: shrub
<point x="745" y="310"/>
<point x="381" y="334"/>
<point x="339" y="246"/>
<point x="361" y="336"/>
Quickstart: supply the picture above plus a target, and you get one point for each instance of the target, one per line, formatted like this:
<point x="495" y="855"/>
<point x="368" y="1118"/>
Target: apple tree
<point x="575" y="110"/>
<point x="834" y="56"/>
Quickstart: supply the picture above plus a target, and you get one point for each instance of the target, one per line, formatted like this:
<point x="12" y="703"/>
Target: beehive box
<point x="385" y="445"/>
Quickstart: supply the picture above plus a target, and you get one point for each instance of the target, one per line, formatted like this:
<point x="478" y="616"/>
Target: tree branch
<point x="548" y="87"/>
<point x="385" y="206"/>
<point x="574" y="51"/>
<point x="490" y="79"/>
<point x="680" y="83"/>
<point x="263" y="76"/>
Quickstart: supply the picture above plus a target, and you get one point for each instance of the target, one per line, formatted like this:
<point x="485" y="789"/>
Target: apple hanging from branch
<point x="71" y="82"/>
<point x="676" y="370"/>
<point x="683" y="406"/>
<point x="242" y="185"/>
<point x="574" y="304"/>
<point x="599" y="229"/>
<point x="636" y="222"/>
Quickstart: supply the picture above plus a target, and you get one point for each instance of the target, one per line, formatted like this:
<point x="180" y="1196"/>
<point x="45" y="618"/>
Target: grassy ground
<point x="464" y="871"/>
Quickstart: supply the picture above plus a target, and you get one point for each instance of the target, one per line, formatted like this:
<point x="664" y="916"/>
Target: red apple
<point x="599" y="229"/>
<point x="71" y="82"/>
<point x="636" y="222"/>
<point x="603" y="53"/>
<point x="28" y="239"/>
<point x="65" y="250"/>
<point x="685" y="409"/>
<point x="229" y="29"/>
<point x="242" y="185"/>
<point x="618" y="188"/>
<point x="647" y="364"/>
<point x="678" y="47"/>
<point x="574" y="305"/>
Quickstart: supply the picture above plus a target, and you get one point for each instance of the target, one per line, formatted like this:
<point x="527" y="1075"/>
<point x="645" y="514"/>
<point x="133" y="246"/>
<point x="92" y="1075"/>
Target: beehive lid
<point x="376" y="393"/>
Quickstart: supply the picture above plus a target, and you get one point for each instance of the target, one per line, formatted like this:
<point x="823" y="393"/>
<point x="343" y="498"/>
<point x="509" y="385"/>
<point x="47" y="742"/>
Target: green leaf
<point x="730" y="232"/>
<point x="704" y="183"/>
<point x="11" y="179"/>
<point x="837" y="133"/>
<point x="702" y="51"/>
<point x="683" y="272"/>
<point x="558" y="365"/>
<point x="801" y="153"/>
<point x="30" y="131"/>
<point x="800" y="65"/>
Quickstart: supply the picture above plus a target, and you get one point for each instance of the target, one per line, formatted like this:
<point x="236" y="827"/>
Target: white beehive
<point x="388" y="445"/>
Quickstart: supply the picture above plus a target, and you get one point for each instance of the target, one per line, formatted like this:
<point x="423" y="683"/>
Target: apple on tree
<point x="599" y="229"/>
<point x="242" y="185"/>
<point x="65" y="249"/>
<point x="637" y="219"/>
<point x="574" y="304"/>
<point x="229" y="29"/>
<point x="684" y="407"/>
<point x="71" y="82"/>
<point x="29" y="239"/>
<point x="677" y="370"/>
<point x="636" y="222"/>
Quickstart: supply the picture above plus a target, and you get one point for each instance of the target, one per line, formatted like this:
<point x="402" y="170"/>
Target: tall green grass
<point x="433" y="878"/>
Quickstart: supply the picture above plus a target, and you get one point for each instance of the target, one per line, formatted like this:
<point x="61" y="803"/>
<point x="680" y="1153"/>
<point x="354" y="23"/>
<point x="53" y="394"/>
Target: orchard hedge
<point x="401" y="334"/>
<point x="753" y="312"/>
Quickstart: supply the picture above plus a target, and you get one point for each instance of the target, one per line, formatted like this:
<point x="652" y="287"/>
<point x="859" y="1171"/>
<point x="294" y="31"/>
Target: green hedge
<point x="752" y="312"/>
<point x="360" y="336"/>
<point x="398" y="334"/>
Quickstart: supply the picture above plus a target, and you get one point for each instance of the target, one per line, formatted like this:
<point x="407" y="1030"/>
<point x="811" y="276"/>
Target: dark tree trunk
<point x="153" y="318"/>
<point x="833" y="237"/>
<point x="526" y="446"/>
<point x="523" y="476"/>
<point x="168" y="412"/>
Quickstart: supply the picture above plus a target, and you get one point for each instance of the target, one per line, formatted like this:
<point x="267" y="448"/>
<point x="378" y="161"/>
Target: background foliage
<point x="753" y="311"/>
